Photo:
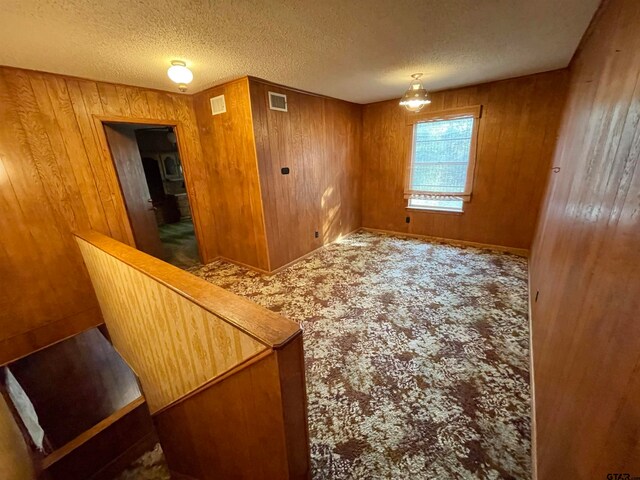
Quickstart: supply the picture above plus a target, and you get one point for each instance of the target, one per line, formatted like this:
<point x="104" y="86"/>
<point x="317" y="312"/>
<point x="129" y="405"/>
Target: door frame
<point x="99" y="123"/>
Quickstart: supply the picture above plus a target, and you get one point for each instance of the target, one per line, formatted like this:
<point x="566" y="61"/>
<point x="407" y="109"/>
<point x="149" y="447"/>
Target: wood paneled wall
<point x="256" y="422"/>
<point x="55" y="177"/>
<point x="585" y="266"/>
<point x="229" y="149"/>
<point x="318" y="139"/>
<point x="224" y="376"/>
<point x="15" y="459"/>
<point x="74" y="385"/>
<point x="517" y="134"/>
<point x="173" y="342"/>
<point x="266" y="219"/>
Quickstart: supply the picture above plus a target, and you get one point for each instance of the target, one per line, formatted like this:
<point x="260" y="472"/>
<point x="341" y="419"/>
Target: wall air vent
<point x="218" y="105"/>
<point x="277" y="101"/>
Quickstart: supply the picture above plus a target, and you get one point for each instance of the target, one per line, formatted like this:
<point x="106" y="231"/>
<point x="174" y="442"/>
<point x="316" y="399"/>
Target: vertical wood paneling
<point x="228" y="148"/>
<point x="55" y="177"/>
<point x="585" y="266"/>
<point x="201" y="184"/>
<point x="15" y="457"/>
<point x="86" y="103"/>
<point x="516" y="136"/>
<point x="39" y="256"/>
<point x="318" y="139"/>
<point x="173" y="344"/>
<point x="249" y="424"/>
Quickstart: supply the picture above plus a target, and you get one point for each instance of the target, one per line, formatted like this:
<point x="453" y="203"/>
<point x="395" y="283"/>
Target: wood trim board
<point x="251" y="424"/>
<point x="265" y="326"/>
<point x="521" y="252"/>
<point x="101" y="120"/>
<point x="177" y="331"/>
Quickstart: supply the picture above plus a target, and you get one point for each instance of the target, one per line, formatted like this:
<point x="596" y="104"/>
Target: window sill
<point x="434" y="210"/>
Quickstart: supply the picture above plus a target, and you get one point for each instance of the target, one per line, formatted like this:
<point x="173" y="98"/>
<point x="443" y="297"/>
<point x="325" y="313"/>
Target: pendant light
<point x="416" y="96"/>
<point x="180" y="74"/>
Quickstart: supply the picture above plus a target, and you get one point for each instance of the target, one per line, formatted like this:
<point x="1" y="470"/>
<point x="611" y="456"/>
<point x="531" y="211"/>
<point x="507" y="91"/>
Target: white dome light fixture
<point x="180" y="74"/>
<point x="416" y="97"/>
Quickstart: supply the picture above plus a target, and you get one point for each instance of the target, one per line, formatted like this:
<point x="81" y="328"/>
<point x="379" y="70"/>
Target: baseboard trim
<point x="521" y="252"/>
<point x="240" y="264"/>
<point x="292" y="262"/>
<point x="315" y="250"/>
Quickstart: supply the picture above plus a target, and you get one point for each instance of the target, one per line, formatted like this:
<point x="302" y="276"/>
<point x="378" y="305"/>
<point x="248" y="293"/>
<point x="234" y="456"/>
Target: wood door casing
<point x="128" y="165"/>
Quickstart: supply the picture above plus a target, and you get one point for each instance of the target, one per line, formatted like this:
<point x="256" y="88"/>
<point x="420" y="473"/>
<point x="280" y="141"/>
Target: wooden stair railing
<point x="223" y="377"/>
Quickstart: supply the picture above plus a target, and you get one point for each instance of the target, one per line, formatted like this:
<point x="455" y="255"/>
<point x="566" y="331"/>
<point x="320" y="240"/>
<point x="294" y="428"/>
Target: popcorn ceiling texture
<point x="360" y="50"/>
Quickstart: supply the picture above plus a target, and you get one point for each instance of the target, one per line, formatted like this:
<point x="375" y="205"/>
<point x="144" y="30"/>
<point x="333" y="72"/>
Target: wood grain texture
<point x="229" y="151"/>
<point x="40" y="337"/>
<point x="56" y="177"/>
<point x="88" y="403"/>
<point x="173" y="344"/>
<point x="318" y="139"/>
<point x="37" y="214"/>
<point x="133" y="185"/>
<point x="176" y="331"/>
<point x="108" y="444"/>
<point x="521" y="252"/>
<point x="93" y="429"/>
<point x="264" y="325"/>
<point x="517" y="134"/>
<point x="15" y="457"/>
<point x="81" y="377"/>
<point x="255" y="426"/>
<point x="586" y="264"/>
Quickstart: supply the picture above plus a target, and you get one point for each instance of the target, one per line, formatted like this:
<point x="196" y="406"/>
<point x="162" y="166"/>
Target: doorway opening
<point x="147" y="162"/>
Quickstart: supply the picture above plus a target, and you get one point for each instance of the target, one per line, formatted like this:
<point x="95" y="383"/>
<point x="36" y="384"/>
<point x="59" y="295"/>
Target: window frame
<point x="412" y="120"/>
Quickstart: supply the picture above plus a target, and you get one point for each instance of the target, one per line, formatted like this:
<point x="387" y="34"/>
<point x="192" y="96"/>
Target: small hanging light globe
<point x="180" y="74"/>
<point x="416" y="97"/>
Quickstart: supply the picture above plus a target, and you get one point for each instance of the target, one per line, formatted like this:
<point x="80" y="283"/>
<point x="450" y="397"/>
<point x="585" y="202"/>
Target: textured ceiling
<point x="358" y="50"/>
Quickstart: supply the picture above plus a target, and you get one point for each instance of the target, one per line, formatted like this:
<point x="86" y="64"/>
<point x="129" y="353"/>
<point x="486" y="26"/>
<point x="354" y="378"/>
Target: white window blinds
<point x="441" y="165"/>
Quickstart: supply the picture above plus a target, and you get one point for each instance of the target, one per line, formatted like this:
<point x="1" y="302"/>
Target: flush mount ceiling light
<point x="416" y="96"/>
<point x="180" y="74"/>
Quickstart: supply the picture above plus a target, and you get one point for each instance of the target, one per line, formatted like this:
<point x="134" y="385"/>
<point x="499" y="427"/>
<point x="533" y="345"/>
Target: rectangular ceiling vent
<point x="277" y="101"/>
<point x="218" y="105"/>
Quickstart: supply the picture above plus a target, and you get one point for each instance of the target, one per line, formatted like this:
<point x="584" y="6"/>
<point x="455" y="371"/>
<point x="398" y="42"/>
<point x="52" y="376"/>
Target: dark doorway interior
<point x="147" y="160"/>
<point x="163" y="171"/>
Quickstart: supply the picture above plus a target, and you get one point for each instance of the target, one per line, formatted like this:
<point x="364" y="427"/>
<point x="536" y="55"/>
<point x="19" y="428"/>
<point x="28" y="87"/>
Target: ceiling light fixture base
<point x="416" y="97"/>
<point x="180" y="74"/>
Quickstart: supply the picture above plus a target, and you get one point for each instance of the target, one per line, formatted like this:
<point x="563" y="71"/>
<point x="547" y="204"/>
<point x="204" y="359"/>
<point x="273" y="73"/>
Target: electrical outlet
<point x="317" y="234"/>
<point x="408" y="219"/>
<point x="284" y="170"/>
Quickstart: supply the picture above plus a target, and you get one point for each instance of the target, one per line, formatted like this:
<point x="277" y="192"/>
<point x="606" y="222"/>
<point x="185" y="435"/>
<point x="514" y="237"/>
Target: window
<point x="440" y="174"/>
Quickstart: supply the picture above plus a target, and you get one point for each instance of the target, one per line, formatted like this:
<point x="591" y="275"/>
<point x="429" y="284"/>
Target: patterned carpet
<point x="416" y="356"/>
<point x="150" y="466"/>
